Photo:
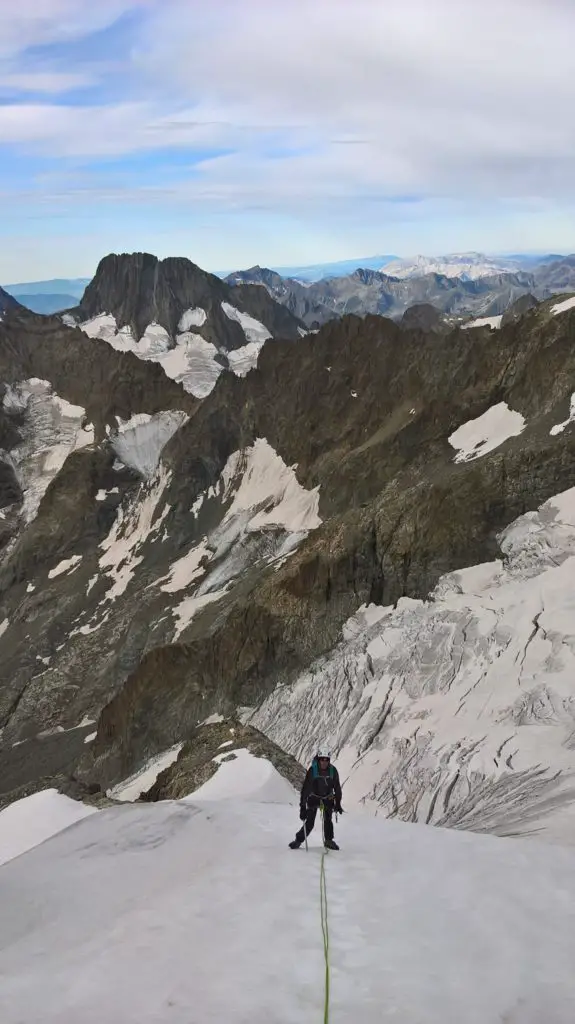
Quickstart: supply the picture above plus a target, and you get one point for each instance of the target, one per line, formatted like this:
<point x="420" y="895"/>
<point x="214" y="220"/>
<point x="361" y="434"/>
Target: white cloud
<point x="323" y="112"/>
<point x="43" y="81"/>
<point x="27" y="23"/>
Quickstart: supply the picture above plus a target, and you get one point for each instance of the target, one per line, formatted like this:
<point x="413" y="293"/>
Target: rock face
<point x="138" y="289"/>
<point x="355" y="466"/>
<point x="8" y="304"/>
<point x="425" y="317"/>
<point x="173" y="313"/>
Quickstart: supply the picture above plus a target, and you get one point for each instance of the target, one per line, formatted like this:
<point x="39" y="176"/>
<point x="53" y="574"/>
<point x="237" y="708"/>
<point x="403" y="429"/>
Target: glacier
<point x="195" y="910"/>
<point x="458" y="710"/>
<point x="50" y="430"/>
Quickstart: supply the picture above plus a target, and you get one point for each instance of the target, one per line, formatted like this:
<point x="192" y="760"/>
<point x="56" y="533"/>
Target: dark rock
<point x="519" y="308"/>
<point x="139" y="289"/>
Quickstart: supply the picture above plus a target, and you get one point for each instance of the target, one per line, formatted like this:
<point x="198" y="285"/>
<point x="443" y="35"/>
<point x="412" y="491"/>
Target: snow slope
<point x="29" y="822"/>
<point x="196" y="911"/>
<point x="477" y="437"/>
<point x="459" y="710"/>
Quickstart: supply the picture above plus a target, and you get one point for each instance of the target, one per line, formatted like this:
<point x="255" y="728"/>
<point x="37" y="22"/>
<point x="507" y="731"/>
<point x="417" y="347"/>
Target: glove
<point x="302" y="813"/>
<point x="338" y="809"/>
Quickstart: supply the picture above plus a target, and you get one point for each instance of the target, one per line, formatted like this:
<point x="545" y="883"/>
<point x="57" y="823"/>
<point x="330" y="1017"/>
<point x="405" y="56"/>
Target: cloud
<point x="53" y="82"/>
<point x="320" y="111"/>
<point x="34" y="23"/>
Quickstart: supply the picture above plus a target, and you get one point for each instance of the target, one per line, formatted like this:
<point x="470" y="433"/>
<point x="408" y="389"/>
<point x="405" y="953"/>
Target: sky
<point x="282" y="131"/>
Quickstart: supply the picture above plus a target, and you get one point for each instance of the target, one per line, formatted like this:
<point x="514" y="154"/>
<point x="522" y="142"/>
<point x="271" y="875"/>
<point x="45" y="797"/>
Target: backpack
<point x="322" y="785"/>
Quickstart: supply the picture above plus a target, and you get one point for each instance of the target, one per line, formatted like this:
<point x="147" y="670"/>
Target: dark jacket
<point x="321" y="785"/>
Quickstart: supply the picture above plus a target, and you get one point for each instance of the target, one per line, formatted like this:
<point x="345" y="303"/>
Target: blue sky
<point x="255" y="132"/>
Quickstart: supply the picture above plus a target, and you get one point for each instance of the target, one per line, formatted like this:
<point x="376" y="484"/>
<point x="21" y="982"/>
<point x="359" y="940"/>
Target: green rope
<point x="324" y="928"/>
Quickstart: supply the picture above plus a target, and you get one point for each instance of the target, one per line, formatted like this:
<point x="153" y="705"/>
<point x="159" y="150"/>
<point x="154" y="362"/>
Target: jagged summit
<point x="172" y="312"/>
<point x="140" y="289"/>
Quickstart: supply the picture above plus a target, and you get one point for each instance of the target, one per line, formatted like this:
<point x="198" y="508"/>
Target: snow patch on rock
<point x="143" y="780"/>
<point x="562" y="307"/>
<point x="482" y="435"/>
<point x="192" y="318"/>
<point x="484" y="321"/>
<point x="560" y="427"/>
<point x="267" y="515"/>
<point x="67" y="566"/>
<point x="136" y="524"/>
<point x="139" y="442"/>
<point x="252" y="328"/>
<point x="191" y="362"/>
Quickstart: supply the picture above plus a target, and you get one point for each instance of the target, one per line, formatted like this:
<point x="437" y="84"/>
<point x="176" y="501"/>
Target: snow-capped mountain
<point x="173" y="313"/>
<point x="166" y="559"/>
<point x="468" y="266"/>
<point x="196" y="887"/>
<point x="392" y="294"/>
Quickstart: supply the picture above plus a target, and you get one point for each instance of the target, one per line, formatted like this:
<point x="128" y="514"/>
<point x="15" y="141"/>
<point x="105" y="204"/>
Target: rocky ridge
<point x="226" y="571"/>
<point x="368" y="291"/>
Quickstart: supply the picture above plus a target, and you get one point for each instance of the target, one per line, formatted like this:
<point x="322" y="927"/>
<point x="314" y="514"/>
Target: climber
<point x="321" y="789"/>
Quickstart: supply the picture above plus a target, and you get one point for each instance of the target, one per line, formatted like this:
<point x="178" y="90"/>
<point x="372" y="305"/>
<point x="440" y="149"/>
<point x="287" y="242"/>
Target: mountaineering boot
<point x="330" y="844"/>
<point x="295" y="844"/>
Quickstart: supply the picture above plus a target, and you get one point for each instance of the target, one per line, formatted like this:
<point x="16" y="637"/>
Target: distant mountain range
<point x="369" y="291"/>
<point x="458" y="284"/>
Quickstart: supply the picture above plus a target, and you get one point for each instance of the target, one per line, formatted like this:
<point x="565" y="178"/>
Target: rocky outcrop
<point x="138" y="289"/>
<point x="519" y="308"/>
<point x="425" y="317"/>
<point x="195" y="763"/>
<point x="8" y="304"/>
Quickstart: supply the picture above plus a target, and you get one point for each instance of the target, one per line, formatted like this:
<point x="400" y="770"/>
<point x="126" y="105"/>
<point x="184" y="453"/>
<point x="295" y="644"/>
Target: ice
<point x="484" y="321"/>
<point x="143" y="780"/>
<point x="482" y="435"/>
<point x="191" y="362"/>
<point x="192" y="318"/>
<point x="244" y="359"/>
<point x="426" y="926"/>
<point x="253" y="329"/>
<point x="560" y="427"/>
<point x="90" y="737"/>
<point x="28" y="822"/>
<point x="4" y="626"/>
<point x="458" y="710"/>
<point x="67" y="566"/>
<point x="562" y="307"/>
<point x="140" y="441"/>
<point x="52" y="430"/>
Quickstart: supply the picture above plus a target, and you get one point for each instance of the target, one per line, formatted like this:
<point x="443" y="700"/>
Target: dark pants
<point x="312" y="809"/>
